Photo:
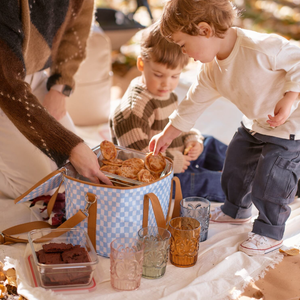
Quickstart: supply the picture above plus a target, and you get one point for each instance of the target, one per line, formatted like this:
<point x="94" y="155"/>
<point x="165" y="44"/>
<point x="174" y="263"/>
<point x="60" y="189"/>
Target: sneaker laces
<point x="258" y="239"/>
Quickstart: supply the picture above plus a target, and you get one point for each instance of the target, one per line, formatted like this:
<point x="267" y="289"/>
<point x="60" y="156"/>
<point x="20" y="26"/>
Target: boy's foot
<point x="259" y="245"/>
<point x="217" y="216"/>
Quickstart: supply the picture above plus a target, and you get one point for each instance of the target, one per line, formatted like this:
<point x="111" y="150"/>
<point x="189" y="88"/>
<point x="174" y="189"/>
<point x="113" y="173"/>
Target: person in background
<point x="36" y="133"/>
<point x="144" y="111"/>
<point x="260" y="74"/>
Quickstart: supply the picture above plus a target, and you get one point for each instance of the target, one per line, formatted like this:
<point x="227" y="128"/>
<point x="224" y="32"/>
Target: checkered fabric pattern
<point x="44" y="188"/>
<point x="119" y="211"/>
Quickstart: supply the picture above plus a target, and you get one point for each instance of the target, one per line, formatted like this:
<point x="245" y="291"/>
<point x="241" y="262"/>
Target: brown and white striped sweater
<point x="36" y="35"/>
<point x="141" y="115"/>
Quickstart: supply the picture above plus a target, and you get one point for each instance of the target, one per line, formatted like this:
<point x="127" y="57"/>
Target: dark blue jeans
<point x="203" y="177"/>
<point x="262" y="170"/>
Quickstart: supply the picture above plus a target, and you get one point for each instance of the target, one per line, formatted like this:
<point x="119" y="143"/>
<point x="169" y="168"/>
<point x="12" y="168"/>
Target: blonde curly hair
<point x="156" y="48"/>
<point x="185" y="15"/>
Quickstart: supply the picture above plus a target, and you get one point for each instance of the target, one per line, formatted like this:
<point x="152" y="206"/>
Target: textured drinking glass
<point x="185" y="236"/>
<point x="126" y="263"/>
<point x="197" y="208"/>
<point x="157" y="243"/>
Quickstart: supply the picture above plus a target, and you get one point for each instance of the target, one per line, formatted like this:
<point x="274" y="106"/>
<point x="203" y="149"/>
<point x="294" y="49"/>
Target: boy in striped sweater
<point x="145" y="109"/>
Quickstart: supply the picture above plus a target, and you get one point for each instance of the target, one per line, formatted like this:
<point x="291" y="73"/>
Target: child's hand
<point x="282" y="109"/>
<point x="161" y="141"/>
<point x="186" y="163"/>
<point x="195" y="150"/>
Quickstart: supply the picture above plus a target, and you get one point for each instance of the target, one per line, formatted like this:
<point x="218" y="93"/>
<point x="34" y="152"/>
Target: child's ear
<point x="205" y="29"/>
<point x="140" y="64"/>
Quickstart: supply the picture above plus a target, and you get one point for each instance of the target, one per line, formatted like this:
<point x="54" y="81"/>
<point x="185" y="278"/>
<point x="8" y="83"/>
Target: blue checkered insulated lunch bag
<point x="113" y="211"/>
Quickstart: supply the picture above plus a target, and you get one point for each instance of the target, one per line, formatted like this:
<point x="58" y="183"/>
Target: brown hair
<point x="156" y="48"/>
<point x="185" y="15"/>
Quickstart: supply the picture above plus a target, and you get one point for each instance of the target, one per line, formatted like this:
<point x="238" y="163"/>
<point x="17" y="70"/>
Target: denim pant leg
<point x="275" y="184"/>
<point x="213" y="155"/>
<point x="203" y="177"/>
<point x="203" y="183"/>
<point x="238" y="173"/>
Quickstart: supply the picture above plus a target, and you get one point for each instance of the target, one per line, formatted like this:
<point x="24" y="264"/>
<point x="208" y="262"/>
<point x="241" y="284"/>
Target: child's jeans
<point x="262" y="170"/>
<point x="203" y="177"/>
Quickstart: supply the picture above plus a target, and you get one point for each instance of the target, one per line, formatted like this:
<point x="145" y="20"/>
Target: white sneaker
<point x="217" y="216"/>
<point x="259" y="245"/>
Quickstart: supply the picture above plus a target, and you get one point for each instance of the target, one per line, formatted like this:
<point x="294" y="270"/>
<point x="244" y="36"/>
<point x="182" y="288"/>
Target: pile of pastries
<point x="147" y="170"/>
<point x="8" y="284"/>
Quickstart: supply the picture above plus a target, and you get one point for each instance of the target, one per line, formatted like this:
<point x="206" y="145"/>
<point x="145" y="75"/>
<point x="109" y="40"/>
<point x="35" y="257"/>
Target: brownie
<point x="61" y="253"/>
<point x="75" y="255"/>
<point x="57" y="247"/>
<point x="49" y="258"/>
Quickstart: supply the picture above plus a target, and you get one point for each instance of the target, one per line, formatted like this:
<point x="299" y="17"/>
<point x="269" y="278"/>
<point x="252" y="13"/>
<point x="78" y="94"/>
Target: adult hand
<point x="86" y="164"/>
<point x="196" y="149"/>
<point x="282" y="109"/>
<point x="161" y="141"/>
<point x="55" y="103"/>
<point x="186" y="163"/>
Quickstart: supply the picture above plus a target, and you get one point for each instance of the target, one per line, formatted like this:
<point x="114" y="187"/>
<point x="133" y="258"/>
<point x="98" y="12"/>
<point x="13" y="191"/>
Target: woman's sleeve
<point x="71" y="50"/>
<point x="17" y="101"/>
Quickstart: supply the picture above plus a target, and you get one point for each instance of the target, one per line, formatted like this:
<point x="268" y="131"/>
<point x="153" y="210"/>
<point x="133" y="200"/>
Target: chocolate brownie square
<point x="56" y="247"/>
<point x="75" y="255"/>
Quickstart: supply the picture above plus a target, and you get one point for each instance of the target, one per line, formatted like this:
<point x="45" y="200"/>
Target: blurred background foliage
<point x="279" y="16"/>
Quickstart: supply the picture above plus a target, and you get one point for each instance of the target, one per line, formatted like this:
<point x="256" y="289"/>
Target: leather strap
<point x="70" y="223"/>
<point x="53" y="200"/>
<point x="92" y="219"/>
<point x="173" y="211"/>
<point x="158" y="212"/>
<point x="178" y="196"/>
<point x="6" y="237"/>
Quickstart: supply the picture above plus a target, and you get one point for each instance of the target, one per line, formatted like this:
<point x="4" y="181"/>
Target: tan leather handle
<point x="173" y="211"/>
<point x="177" y="197"/>
<point x="158" y="212"/>
<point x="6" y="237"/>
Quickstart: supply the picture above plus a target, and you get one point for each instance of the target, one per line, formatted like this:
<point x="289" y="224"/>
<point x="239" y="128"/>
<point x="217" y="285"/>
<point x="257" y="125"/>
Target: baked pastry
<point x="155" y="163"/>
<point x="108" y="150"/>
<point x="134" y="162"/>
<point x="186" y="150"/>
<point x="144" y="175"/>
<point x="128" y="172"/>
<point x="109" y="169"/>
<point x="115" y="162"/>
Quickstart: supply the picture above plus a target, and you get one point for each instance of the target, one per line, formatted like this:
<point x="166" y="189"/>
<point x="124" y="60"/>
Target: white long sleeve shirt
<point x="254" y="77"/>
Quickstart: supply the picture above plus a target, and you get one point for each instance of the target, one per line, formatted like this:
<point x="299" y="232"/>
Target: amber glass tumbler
<point x="185" y="236"/>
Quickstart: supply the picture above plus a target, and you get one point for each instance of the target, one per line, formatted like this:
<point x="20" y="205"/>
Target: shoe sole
<point x="233" y="222"/>
<point x="252" y="252"/>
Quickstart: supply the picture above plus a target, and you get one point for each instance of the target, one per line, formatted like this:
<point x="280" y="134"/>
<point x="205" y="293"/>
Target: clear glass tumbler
<point x="185" y="236"/>
<point x="157" y="244"/>
<point x="126" y="263"/>
<point x="197" y="208"/>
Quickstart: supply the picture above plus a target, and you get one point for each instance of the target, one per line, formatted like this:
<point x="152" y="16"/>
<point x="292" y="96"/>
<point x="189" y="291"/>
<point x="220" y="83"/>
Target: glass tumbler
<point x="185" y="236"/>
<point x="157" y="244"/>
<point x="126" y="263"/>
<point x="197" y="208"/>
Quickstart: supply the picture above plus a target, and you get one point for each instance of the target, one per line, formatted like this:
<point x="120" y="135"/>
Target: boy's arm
<point x="282" y="109"/>
<point x="161" y="141"/>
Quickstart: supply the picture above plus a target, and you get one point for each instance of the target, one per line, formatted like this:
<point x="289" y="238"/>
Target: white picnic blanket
<point x="221" y="271"/>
